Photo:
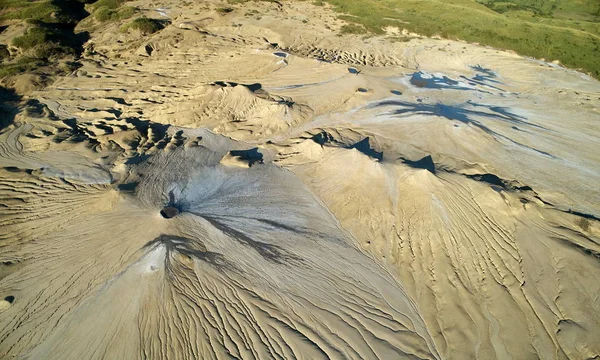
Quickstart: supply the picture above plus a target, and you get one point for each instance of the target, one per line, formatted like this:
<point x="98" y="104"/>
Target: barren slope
<point x="251" y="185"/>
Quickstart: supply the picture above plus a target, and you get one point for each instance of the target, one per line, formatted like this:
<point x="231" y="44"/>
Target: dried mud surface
<point x="253" y="185"/>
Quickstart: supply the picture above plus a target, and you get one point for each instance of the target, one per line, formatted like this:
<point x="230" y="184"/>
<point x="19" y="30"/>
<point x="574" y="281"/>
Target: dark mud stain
<point x="128" y="187"/>
<point x="190" y="248"/>
<point x="270" y="252"/>
<point x="465" y="113"/>
<point x="485" y="77"/>
<point x="427" y="81"/>
<point x="353" y="70"/>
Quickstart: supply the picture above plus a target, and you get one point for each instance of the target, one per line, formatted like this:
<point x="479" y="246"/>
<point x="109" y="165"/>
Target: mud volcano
<point x="307" y="217"/>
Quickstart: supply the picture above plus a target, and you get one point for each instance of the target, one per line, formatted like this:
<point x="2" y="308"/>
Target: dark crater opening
<point x="10" y="299"/>
<point x="169" y="212"/>
<point x="171" y="209"/>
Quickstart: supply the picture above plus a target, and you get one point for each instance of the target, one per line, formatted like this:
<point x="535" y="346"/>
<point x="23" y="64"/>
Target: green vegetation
<point x="33" y="37"/>
<point x="49" y="37"/>
<point x="46" y="11"/>
<point x="538" y="7"/>
<point x="353" y="29"/>
<point x="24" y="64"/>
<point x="43" y="42"/>
<point x="144" y="24"/>
<point x="109" y="4"/>
<point x="564" y="30"/>
<point x="111" y="10"/>
<point x="105" y="14"/>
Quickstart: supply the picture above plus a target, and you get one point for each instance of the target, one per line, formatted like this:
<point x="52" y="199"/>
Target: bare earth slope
<point x="252" y="185"/>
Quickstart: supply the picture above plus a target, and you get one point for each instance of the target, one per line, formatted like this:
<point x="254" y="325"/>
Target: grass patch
<point x="144" y="25"/>
<point x="111" y="10"/>
<point x="41" y="42"/>
<point x="47" y="11"/>
<point x="109" y="4"/>
<point x="353" y="29"/>
<point x="24" y="64"/>
<point x="233" y="2"/>
<point x="527" y="32"/>
<point x="104" y="13"/>
<point x="33" y="37"/>
<point x="49" y="36"/>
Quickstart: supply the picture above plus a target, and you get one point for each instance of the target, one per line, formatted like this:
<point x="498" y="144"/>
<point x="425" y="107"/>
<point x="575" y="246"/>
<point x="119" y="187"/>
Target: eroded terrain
<point x="252" y="185"/>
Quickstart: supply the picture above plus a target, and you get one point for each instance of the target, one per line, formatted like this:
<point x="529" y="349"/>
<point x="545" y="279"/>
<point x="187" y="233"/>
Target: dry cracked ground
<point x="253" y="185"/>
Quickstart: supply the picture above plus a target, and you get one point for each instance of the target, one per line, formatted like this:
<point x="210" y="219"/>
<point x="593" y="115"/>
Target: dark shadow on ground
<point x="365" y="147"/>
<point x="9" y="106"/>
<point x="424" y="163"/>
<point x="252" y="156"/>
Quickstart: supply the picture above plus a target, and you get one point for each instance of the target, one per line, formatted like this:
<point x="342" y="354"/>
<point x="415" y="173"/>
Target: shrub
<point x="583" y="223"/>
<point x="144" y="25"/>
<point x="109" y="4"/>
<point x="105" y="14"/>
<point x="44" y="43"/>
<point x="33" y="37"/>
<point x="47" y="11"/>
